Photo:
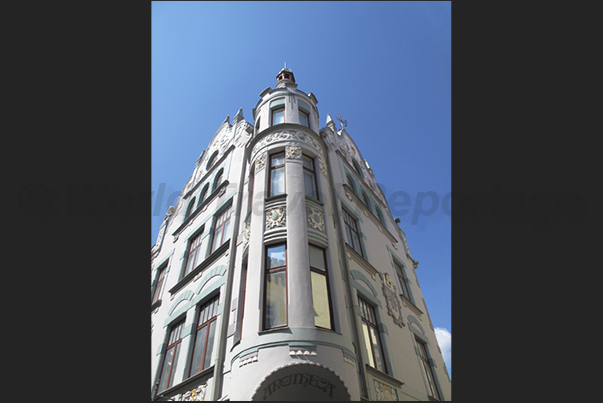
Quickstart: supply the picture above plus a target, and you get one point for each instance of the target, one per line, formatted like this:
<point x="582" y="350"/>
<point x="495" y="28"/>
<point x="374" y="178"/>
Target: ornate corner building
<point x="281" y="274"/>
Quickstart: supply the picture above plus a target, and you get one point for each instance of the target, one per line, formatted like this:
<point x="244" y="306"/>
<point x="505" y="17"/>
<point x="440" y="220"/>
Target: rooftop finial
<point x="285" y="65"/>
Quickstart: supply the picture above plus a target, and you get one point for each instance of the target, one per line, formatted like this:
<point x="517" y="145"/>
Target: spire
<point x="238" y="116"/>
<point x="285" y="78"/>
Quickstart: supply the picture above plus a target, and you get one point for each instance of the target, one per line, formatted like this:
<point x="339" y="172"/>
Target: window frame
<point x="197" y="238"/>
<point x="267" y="272"/>
<point x="348" y="228"/>
<point x="310" y="172"/>
<point x="428" y="369"/>
<point x="176" y="331"/>
<point x="324" y="273"/>
<point x="212" y="160"/>
<point x="273" y="112"/>
<point x="368" y="316"/>
<point x="159" y="285"/>
<point x="351" y="183"/>
<point x="404" y="285"/>
<point x="271" y="173"/>
<point x="212" y="308"/>
<point x="189" y="209"/>
<point x="220" y="221"/>
<point x="307" y="115"/>
<point x="218" y="179"/>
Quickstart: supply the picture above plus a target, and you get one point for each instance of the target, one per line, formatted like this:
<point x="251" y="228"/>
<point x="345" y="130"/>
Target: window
<point x="427" y="370"/>
<point x="195" y="253"/>
<point x="218" y="179"/>
<point x="366" y="200"/>
<point x="189" y="208"/>
<point x="278" y="116"/>
<point x="170" y="361"/>
<point x="310" y="178"/>
<point x="379" y="215"/>
<point x="203" y="193"/>
<point x="304" y="113"/>
<point x="212" y="160"/>
<point x="277" y="174"/>
<point x="357" y="168"/>
<point x="372" y="340"/>
<point x="204" y="339"/>
<point x="275" y="301"/>
<point x="243" y="291"/>
<point x="351" y="231"/>
<point x="403" y="283"/>
<point x="221" y="229"/>
<point x="159" y="285"/>
<point x="351" y="183"/>
<point x="303" y="119"/>
<point x="321" y="298"/>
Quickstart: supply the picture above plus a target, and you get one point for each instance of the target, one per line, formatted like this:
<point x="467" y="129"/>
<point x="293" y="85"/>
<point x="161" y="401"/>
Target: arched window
<point x="190" y="208"/>
<point x="366" y="200"/>
<point x="212" y="160"/>
<point x="357" y="168"/>
<point x="218" y="179"/>
<point x="351" y="183"/>
<point x="203" y="193"/>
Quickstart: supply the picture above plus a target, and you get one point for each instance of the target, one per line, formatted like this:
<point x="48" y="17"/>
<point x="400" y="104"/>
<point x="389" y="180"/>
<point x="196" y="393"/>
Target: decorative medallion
<point x="385" y="392"/>
<point x="293" y="152"/>
<point x="394" y="306"/>
<point x="316" y="219"/>
<point x="275" y="218"/>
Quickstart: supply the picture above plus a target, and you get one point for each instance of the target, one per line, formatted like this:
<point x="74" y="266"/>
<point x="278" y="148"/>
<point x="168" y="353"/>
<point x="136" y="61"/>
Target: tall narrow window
<point x="321" y="298"/>
<point x="351" y="231"/>
<point x="310" y="178"/>
<point x="159" y="285"/>
<point x="379" y="215"/>
<point x="170" y="361"/>
<point x="275" y="301"/>
<point x="372" y="340"/>
<point x="303" y="119"/>
<point x="277" y="174"/>
<point x="221" y="229"/>
<point x="190" y="208"/>
<point x="403" y="283"/>
<point x="365" y="200"/>
<point x="243" y="288"/>
<point x="357" y="168"/>
<point x="218" y="179"/>
<point x="211" y="160"/>
<point x="195" y="253"/>
<point x="204" y="339"/>
<point x="351" y="183"/>
<point x="203" y="193"/>
<point x="428" y="370"/>
<point x="278" y="116"/>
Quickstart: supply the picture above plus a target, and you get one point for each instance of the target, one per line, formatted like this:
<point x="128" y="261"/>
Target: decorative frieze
<point x="195" y="395"/>
<point x="322" y="166"/>
<point x="287" y="135"/>
<point x="385" y="392"/>
<point x="260" y="163"/>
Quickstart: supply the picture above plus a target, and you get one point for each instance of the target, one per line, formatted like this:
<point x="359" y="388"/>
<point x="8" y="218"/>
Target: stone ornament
<point x="275" y="218"/>
<point x="385" y="392"/>
<point x="316" y="219"/>
<point x="394" y="306"/>
<point x="260" y="163"/>
<point x="195" y="395"/>
<point x="246" y="234"/>
<point x="293" y="153"/>
<point x="323" y="166"/>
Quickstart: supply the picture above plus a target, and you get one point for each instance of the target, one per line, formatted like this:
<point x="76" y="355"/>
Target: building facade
<point x="281" y="274"/>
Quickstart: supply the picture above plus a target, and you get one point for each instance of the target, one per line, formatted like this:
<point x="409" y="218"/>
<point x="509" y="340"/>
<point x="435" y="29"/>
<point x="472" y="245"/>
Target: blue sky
<point x="385" y="66"/>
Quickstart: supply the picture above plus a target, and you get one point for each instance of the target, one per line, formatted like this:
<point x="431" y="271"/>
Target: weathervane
<point x="344" y="123"/>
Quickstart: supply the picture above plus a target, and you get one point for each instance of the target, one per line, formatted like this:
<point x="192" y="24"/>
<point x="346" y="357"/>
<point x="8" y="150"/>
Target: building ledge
<point x="200" y="267"/>
<point x="155" y="305"/>
<point x="409" y="304"/>
<point x="358" y="258"/>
